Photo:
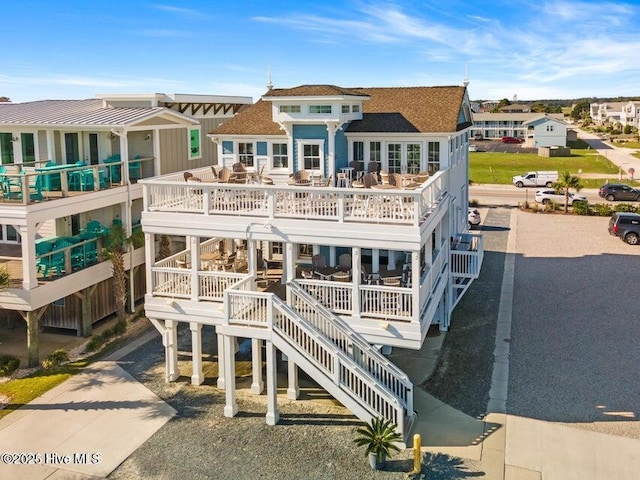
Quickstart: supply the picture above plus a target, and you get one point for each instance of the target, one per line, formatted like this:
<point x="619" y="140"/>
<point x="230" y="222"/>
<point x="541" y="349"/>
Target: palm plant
<point x="165" y="247"/>
<point x="565" y="182"/>
<point x="380" y="437"/>
<point x="114" y="249"/>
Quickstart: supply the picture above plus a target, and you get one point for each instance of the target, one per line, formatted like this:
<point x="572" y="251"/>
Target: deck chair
<point x="230" y="264"/>
<point x="224" y="175"/>
<point x="318" y="261"/>
<point x="344" y="262"/>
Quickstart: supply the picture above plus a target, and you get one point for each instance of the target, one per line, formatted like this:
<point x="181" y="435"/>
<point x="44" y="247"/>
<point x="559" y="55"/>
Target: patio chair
<point x="230" y="264"/>
<point x="344" y="262"/>
<point x="240" y="177"/>
<point x="224" y="175"/>
<point x="395" y="179"/>
<point x="318" y="261"/>
<point x="374" y="167"/>
<point x="214" y="171"/>
<point x="384" y="177"/>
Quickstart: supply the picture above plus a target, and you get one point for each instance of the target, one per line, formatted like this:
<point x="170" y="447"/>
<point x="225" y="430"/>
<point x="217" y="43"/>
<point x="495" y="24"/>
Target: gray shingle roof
<point x="72" y="112"/>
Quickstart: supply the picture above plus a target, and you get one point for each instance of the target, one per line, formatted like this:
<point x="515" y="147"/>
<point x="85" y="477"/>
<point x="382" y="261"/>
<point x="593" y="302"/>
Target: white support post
<point x="332" y="256"/>
<point x="356" y="279"/>
<point x="257" y="384"/>
<point x="375" y="260"/>
<point x="289" y="265"/>
<point x="272" y="385"/>
<point x="170" y="341"/>
<point x="150" y="259"/>
<point x="29" y="268"/>
<point x="221" y="361"/>
<point x="293" y="391"/>
<point x="197" y="376"/>
<point x="194" y="247"/>
<point x="415" y="285"/>
<point x="230" y="407"/>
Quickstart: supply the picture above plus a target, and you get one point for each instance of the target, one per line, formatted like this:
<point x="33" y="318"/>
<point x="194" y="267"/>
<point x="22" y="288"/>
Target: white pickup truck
<point x="536" y="179"/>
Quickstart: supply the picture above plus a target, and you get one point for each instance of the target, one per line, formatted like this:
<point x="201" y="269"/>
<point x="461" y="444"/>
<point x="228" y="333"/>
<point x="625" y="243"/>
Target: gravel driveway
<point x="575" y="346"/>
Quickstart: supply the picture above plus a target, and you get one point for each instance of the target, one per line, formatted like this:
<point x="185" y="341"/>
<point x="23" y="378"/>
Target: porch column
<point x="415" y="286"/>
<point x="194" y="246"/>
<point x="332" y="255"/>
<point x="289" y="265"/>
<point x="356" y="278"/>
<point x="257" y="385"/>
<point x="293" y="391"/>
<point x="33" y="338"/>
<point x="230" y="407"/>
<point x="332" y="128"/>
<point x="251" y="257"/>
<point x="221" y="360"/>
<point x="170" y="342"/>
<point x="197" y="376"/>
<point x="150" y="259"/>
<point x="272" y="385"/>
<point x="29" y="267"/>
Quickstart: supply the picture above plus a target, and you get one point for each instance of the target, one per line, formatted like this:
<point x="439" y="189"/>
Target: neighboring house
<point x="544" y="130"/>
<point x="498" y="125"/>
<point x="359" y="266"/>
<point x="630" y="114"/>
<point x="69" y="172"/>
<point x="608" y="112"/>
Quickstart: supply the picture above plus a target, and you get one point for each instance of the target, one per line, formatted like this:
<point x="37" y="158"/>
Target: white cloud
<point x="186" y="13"/>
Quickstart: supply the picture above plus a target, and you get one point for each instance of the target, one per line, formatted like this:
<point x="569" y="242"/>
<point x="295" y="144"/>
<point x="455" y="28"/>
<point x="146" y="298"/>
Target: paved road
<point x="575" y="334"/>
<point x="508" y="195"/>
<point x="619" y="155"/>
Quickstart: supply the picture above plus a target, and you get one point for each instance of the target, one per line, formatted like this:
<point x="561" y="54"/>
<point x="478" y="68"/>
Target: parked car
<point x="546" y="196"/>
<point x="626" y="226"/>
<point x="473" y="147"/>
<point x="477" y="136"/>
<point x="511" y="140"/>
<point x="619" y="191"/>
<point x="474" y="217"/>
<point x="544" y="178"/>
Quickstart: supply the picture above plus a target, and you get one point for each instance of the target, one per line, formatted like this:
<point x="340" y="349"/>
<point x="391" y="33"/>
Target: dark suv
<point x="626" y="226"/>
<point x="619" y="191"/>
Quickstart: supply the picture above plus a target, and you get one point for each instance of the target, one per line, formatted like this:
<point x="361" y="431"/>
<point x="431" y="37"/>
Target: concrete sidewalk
<point x="102" y="412"/>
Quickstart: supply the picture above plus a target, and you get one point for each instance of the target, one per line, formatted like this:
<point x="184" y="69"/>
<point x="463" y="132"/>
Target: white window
<point x="358" y="151"/>
<point x="374" y="152"/>
<point x="245" y="154"/>
<point x="413" y="158"/>
<point x="433" y="157"/>
<point x="355" y="108"/>
<point x="289" y="108"/>
<point x="319" y="108"/>
<point x="310" y="156"/>
<point x="345" y="108"/>
<point x="394" y="157"/>
<point x="280" y="157"/>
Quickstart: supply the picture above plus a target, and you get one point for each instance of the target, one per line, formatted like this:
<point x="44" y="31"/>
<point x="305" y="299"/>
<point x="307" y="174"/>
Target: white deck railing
<point x="466" y="258"/>
<point x="172" y="194"/>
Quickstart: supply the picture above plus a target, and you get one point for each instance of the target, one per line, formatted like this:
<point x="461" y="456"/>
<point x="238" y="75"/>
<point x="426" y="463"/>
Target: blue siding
<point x="227" y="147"/>
<point x="309" y="132"/>
<point x="261" y="148"/>
<point x="342" y="150"/>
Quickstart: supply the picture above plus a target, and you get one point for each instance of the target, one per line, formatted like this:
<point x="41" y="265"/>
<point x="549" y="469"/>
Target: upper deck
<point x="332" y="212"/>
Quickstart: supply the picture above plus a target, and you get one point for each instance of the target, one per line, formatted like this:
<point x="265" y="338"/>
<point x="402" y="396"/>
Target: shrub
<point x="626" y="207"/>
<point x="602" y="210"/>
<point x="55" y="358"/>
<point x="98" y="340"/>
<point x="8" y="365"/>
<point x="627" y="129"/>
<point x="581" y="208"/>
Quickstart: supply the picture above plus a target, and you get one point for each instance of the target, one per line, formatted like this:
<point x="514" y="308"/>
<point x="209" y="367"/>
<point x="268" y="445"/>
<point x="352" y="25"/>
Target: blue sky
<point x="532" y="49"/>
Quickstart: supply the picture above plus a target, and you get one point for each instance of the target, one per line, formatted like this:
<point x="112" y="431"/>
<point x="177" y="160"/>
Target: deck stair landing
<point x="330" y="352"/>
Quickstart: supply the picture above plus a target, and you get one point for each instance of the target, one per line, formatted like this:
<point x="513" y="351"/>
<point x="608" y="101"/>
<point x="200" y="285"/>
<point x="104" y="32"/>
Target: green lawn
<point x="499" y="168"/>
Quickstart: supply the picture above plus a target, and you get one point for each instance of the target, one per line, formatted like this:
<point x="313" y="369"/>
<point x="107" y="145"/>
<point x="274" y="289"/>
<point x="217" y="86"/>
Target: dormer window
<point x="289" y="108"/>
<point x="319" y="108"/>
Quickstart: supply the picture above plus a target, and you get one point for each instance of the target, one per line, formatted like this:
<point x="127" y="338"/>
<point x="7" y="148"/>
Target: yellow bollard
<point x="417" y="454"/>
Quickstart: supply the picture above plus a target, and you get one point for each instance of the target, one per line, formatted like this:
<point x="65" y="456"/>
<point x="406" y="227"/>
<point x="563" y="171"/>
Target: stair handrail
<point x="392" y="400"/>
<point x="365" y="347"/>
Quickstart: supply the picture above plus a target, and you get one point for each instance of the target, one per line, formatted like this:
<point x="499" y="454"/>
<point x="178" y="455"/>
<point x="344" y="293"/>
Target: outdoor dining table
<point x="325" y="273"/>
<point x="384" y="186"/>
<point x="211" y="259"/>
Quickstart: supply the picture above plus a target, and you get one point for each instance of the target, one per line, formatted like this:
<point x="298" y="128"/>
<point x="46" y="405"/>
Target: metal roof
<point x="89" y="112"/>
